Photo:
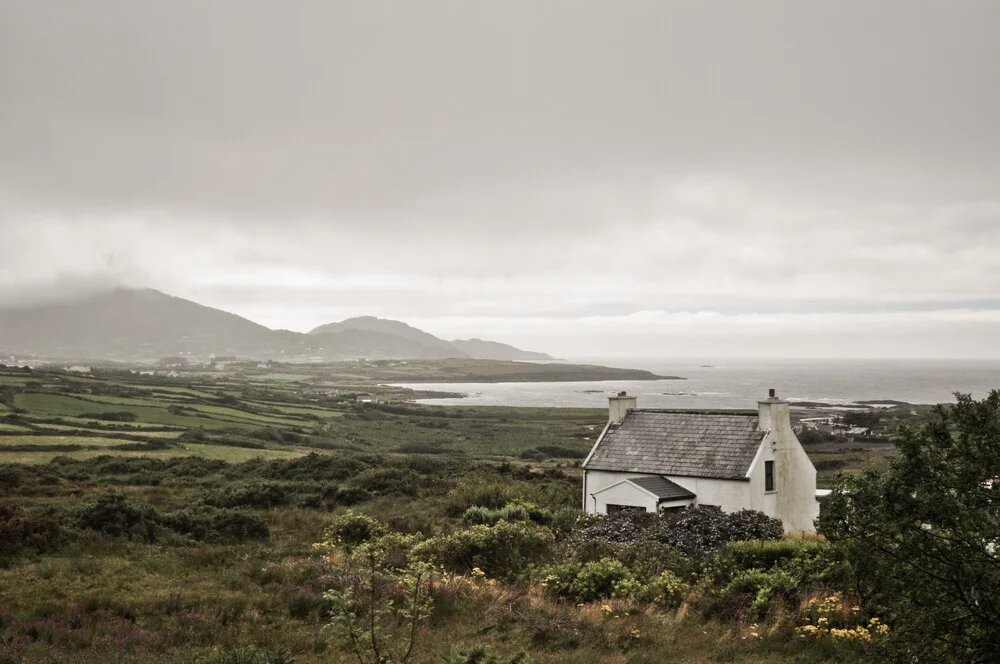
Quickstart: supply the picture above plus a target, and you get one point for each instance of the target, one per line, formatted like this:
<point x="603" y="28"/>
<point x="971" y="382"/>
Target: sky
<point x="585" y="178"/>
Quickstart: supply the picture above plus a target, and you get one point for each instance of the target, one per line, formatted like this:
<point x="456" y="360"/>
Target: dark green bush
<point x="114" y="515"/>
<point x="699" y="530"/>
<point x="483" y="515"/>
<point x="262" y="495"/>
<point x="206" y="523"/>
<point x="387" y="481"/>
<point x="20" y="532"/>
<point x="111" y="416"/>
<point x="351" y="529"/>
<point x="501" y="551"/>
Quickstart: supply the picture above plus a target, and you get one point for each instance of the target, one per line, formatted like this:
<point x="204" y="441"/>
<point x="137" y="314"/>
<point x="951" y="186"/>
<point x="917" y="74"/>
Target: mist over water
<point x="740" y="383"/>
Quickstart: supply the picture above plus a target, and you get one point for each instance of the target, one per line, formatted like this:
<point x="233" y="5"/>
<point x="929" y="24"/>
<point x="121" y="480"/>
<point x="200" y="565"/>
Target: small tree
<point x="384" y="599"/>
<point x="923" y="538"/>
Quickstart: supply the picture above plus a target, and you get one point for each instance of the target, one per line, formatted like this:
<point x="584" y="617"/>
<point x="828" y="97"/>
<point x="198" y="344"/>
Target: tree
<point x="383" y="600"/>
<point x="923" y="537"/>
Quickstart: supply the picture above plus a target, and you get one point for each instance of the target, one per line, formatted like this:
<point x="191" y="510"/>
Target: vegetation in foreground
<point x="369" y="550"/>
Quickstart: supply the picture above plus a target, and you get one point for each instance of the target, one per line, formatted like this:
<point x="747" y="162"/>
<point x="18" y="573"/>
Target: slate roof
<point x="662" y="488"/>
<point x="719" y="445"/>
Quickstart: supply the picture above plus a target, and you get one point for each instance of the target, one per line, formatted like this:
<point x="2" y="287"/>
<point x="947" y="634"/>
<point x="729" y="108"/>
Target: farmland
<point x="167" y="520"/>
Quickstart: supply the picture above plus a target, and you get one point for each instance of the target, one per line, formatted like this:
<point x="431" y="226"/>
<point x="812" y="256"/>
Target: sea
<point x="736" y="384"/>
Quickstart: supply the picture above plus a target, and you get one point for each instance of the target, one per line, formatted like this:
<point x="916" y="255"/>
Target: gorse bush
<point x="207" y="523"/>
<point x="20" y="532"/>
<point x="115" y="516"/>
<point x="501" y="551"/>
<point x="477" y="515"/>
<point x="256" y="494"/>
<point x="351" y="529"/>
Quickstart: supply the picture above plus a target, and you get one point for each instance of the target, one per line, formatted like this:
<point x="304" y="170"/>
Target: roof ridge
<point x="694" y="411"/>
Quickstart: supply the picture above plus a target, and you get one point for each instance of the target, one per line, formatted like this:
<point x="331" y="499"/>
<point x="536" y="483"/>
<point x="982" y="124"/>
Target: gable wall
<point x="623" y="494"/>
<point x="730" y="495"/>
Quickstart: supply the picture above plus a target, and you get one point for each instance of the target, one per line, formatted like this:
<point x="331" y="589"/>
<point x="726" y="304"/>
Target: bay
<point x="741" y="383"/>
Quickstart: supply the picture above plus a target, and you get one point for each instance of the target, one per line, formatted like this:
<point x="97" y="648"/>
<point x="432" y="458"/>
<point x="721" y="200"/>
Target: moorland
<point x="252" y="517"/>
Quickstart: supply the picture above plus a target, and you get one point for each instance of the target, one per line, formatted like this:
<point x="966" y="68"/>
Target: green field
<point x="223" y="485"/>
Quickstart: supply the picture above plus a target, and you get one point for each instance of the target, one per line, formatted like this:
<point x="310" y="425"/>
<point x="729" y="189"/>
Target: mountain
<point x="437" y="348"/>
<point x="478" y="349"/>
<point x="126" y="324"/>
<point x="145" y="324"/>
<point x="387" y="326"/>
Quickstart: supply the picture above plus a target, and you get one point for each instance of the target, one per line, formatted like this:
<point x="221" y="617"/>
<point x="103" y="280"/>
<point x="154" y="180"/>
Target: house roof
<point x="719" y="445"/>
<point x="662" y="488"/>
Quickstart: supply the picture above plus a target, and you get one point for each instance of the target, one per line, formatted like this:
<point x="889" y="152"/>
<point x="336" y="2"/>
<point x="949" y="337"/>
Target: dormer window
<point x="768" y="476"/>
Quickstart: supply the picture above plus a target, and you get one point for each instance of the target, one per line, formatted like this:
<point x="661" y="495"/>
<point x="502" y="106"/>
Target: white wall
<point x="730" y="495"/>
<point x="623" y="493"/>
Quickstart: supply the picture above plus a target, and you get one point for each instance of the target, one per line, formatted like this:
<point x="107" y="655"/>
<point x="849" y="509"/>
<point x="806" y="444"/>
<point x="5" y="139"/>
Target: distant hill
<point x="433" y="347"/>
<point x="387" y="326"/>
<point x="494" y="350"/>
<point x="143" y="324"/>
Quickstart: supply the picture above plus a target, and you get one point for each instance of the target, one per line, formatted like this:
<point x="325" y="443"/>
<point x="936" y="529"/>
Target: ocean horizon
<point x="740" y="383"/>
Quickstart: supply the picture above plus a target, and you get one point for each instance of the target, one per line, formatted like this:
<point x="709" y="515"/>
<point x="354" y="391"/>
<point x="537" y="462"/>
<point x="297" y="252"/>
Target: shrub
<point x="603" y="579"/>
<point x="483" y="515"/>
<point x="114" y="515"/>
<point x="111" y="416"/>
<point x="18" y="532"/>
<point x="755" y="588"/>
<point x="387" y="481"/>
<point x="206" y="523"/>
<point x="500" y="550"/>
<point x="257" y="494"/>
<point x="624" y="526"/>
<point x="697" y="531"/>
<point x="666" y="590"/>
<point x="587" y="582"/>
<point x="351" y="529"/>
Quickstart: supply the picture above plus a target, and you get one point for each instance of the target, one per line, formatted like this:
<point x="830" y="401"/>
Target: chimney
<point x="773" y="412"/>
<point x="618" y="406"/>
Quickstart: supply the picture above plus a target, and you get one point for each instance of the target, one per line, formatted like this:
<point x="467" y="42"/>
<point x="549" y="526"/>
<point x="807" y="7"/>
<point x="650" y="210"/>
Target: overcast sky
<point x="584" y="178"/>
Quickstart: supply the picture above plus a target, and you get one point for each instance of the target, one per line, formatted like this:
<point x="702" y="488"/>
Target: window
<point x="768" y="476"/>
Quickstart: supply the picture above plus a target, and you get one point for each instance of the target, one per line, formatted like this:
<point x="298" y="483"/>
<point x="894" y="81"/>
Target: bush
<point x="624" y="526"/>
<point x="587" y="582"/>
<point x="754" y="589"/>
<point x="352" y="529"/>
<point x="257" y="494"/>
<point x="699" y="530"/>
<point x="110" y="416"/>
<point x="206" y="523"/>
<point x="387" y="481"/>
<point x="18" y="532"/>
<point x="500" y="550"/>
<point x="114" y="515"/>
<point x="476" y="515"/>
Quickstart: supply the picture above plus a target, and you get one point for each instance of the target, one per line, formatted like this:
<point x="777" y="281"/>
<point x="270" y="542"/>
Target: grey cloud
<point x="453" y="161"/>
<point x="367" y="108"/>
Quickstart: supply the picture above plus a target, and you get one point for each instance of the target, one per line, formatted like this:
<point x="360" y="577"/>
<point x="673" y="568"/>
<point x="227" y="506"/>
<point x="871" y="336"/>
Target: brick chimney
<point x="618" y="406"/>
<point x="773" y="412"/>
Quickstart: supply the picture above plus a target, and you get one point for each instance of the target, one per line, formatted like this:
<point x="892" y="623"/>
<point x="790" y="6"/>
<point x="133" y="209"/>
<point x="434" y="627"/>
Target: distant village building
<point x="658" y="460"/>
<point x="366" y="398"/>
<point x="78" y="369"/>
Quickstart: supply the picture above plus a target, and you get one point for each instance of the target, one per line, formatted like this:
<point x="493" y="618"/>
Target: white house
<point x="668" y="459"/>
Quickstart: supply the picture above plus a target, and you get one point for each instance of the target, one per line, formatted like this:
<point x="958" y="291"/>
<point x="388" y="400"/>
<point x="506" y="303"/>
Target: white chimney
<point x="773" y="413"/>
<point x="618" y="406"/>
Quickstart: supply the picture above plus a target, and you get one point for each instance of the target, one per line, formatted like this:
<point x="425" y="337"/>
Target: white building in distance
<point x="668" y="459"/>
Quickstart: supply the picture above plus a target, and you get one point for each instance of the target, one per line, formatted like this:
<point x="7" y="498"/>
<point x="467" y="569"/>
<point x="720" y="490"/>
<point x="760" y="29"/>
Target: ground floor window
<point x="612" y="509"/>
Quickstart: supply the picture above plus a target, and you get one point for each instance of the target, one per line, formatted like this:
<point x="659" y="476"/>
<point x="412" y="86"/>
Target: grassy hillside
<point x="145" y="520"/>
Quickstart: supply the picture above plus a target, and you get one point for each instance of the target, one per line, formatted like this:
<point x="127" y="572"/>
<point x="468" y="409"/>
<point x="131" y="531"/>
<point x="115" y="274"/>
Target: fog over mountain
<point x="141" y="325"/>
<point x="651" y="178"/>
